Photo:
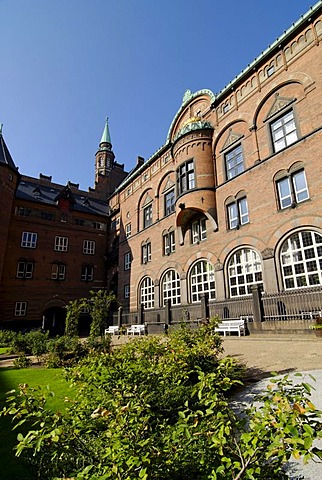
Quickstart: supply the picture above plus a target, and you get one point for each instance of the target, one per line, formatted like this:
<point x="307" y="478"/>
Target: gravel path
<point x="277" y="354"/>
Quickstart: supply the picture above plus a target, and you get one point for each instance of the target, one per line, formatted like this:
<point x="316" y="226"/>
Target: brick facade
<point x="227" y="142"/>
<point x="231" y="200"/>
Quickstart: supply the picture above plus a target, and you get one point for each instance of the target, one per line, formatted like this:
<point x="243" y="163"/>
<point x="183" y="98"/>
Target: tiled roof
<point x="31" y="190"/>
<point x="5" y="156"/>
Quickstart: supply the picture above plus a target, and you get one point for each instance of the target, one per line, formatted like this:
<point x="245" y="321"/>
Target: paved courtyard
<point x="275" y="354"/>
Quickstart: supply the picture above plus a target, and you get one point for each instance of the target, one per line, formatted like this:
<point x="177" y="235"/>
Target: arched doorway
<point x="54" y="316"/>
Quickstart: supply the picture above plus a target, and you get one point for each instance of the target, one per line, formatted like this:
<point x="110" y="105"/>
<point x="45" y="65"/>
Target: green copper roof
<point x="106" y="138"/>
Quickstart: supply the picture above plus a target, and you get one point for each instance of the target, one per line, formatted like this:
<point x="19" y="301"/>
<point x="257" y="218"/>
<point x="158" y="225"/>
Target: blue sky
<point x="67" y="64"/>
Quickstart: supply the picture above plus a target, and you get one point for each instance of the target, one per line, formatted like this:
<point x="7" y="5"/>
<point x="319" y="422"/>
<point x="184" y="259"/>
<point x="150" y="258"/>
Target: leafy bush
<point x="30" y="343"/>
<point x="64" y="351"/>
<point x="22" y="362"/>
<point x="7" y="337"/>
<point x="158" y="408"/>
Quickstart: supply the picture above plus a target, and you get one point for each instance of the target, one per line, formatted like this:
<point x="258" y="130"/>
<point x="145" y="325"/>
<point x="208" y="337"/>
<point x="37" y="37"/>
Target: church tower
<point x="104" y="156"/>
<point x="108" y="173"/>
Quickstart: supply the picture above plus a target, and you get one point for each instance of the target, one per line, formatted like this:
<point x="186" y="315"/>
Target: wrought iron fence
<point x="298" y="305"/>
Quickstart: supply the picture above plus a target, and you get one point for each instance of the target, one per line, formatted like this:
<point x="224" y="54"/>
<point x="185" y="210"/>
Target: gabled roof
<point x="30" y="189"/>
<point x="5" y="157"/>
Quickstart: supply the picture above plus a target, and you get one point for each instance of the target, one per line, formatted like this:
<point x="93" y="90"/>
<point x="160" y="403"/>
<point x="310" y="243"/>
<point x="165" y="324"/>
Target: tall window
<point x="147" y="293"/>
<point x="234" y="162"/>
<point x="29" y="240"/>
<point x="20" y="309"/>
<point x="25" y="269"/>
<point x="238" y="213"/>
<point x="169" y="245"/>
<point x="128" y="230"/>
<point x="127" y="260"/>
<point x="169" y="201"/>
<point x="301" y="260"/>
<point x="146" y="252"/>
<point x="58" y="271"/>
<point x="87" y="274"/>
<point x="202" y="281"/>
<point x="127" y="291"/>
<point x="283" y="131"/>
<point x="89" y="247"/>
<point x="147" y="216"/>
<point x="185" y="177"/>
<point x="244" y="271"/>
<point x="61" y="244"/>
<point x="198" y="230"/>
<point x="292" y="189"/>
<point x="171" y="287"/>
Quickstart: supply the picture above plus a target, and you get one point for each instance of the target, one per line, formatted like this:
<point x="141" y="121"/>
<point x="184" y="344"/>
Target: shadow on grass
<point x="16" y="468"/>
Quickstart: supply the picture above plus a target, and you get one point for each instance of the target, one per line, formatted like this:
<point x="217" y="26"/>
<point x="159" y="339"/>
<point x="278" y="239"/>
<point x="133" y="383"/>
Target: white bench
<point x="136" y="330"/>
<point x="231" y="326"/>
<point x="112" y="330"/>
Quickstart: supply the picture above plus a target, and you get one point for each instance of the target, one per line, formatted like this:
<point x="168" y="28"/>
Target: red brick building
<point x="231" y="201"/>
<point x="233" y="198"/>
<point x="53" y="240"/>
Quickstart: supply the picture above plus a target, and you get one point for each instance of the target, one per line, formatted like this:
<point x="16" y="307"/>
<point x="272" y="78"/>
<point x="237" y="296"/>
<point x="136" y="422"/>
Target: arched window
<point x="244" y="270"/>
<point x="147" y="293"/>
<point x="301" y="260"/>
<point x="171" y="287"/>
<point x="202" y="281"/>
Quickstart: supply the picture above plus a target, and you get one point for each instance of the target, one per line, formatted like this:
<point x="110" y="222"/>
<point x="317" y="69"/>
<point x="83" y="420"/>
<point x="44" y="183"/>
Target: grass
<point x="15" y="468"/>
<point x="4" y="350"/>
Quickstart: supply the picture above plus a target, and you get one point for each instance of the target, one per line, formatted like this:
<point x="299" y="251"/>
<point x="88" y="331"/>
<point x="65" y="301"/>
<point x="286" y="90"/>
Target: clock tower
<point x="108" y="173"/>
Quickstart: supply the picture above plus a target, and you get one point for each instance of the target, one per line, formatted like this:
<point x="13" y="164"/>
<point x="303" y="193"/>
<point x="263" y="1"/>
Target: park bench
<point x="231" y="326"/>
<point x="112" y="330"/>
<point x="136" y="330"/>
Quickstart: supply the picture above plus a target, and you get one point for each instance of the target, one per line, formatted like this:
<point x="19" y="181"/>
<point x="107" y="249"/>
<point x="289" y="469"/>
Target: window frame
<point x="171" y="287"/>
<point x="87" y="273"/>
<point x="297" y="257"/>
<point x="61" y="244"/>
<point x="292" y="197"/>
<point x="89" y="247"/>
<point x="128" y="229"/>
<point x="127" y="260"/>
<point x="185" y="176"/>
<point x="127" y="290"/>
<point x="197" y="281"/>
<point x="21" y="309"/>
<point x="169" y="243"/>
<point x="25" y="269"/>
<point x="169" y="206"/>
<point x="60" y="273"/>
<point x="235" y="156"/>
<point x="147" y="293"/>
<point x="198" y="230"/>
<point x="29" y="239"/>
<point x="244" y="273"/>
<point x="147" y="216"/>
<point x="235" y="217"/>
<point x="287" y="136"/>
<point x="146" y="252"/>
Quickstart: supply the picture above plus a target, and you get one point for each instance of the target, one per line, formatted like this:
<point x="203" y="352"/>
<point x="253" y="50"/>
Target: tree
<point x="99" y="305"/>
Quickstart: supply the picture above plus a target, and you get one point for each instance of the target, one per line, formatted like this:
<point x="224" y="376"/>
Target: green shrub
<point x="22" y="362"/>
<point x="64" y="351"/>
<point x="158" y="408"/>
<point x="7" y="337"/>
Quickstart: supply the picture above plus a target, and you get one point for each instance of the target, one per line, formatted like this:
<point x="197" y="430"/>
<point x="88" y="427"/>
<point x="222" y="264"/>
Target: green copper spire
<point x="106" y="138"/>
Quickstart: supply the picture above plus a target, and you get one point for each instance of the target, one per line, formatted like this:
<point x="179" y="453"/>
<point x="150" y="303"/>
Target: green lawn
<point x="11" y="466"/>
<point x="4" y="350"/>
